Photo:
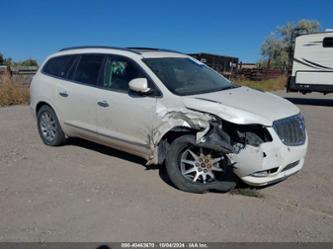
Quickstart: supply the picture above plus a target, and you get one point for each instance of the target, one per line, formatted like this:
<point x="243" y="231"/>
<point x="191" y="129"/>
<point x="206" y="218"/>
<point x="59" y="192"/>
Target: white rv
<point x="312" y="69"/>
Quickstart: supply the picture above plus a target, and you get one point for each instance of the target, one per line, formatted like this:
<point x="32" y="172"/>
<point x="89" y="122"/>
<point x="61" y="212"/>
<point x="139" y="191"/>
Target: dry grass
<point x="278" y="83"/>
<point x="12" y="94"/>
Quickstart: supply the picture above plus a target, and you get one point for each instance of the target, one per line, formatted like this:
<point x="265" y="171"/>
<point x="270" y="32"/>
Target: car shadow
<point x="106" y="150"/>
<point x="120" y="154"/>
<point x="243" y="185"/>
<point x="308" y="101"/>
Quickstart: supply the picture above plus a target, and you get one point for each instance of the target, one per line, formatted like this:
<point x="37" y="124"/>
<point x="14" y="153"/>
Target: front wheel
<point x="192" y="168"/>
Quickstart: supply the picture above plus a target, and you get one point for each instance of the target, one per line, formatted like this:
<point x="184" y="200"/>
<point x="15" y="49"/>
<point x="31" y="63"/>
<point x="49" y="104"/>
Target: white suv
<point x="168" y="107"/>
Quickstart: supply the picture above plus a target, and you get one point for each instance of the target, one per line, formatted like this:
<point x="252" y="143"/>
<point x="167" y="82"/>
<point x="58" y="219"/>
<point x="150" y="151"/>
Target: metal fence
<point x="19" y="74"/>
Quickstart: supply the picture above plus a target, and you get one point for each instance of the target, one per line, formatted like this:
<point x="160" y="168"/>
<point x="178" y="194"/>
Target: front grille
<point x="291" y="130"/>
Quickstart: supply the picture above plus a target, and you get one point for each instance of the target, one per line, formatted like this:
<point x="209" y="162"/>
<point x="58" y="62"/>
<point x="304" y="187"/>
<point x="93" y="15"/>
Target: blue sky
<point x="35" y="29"/>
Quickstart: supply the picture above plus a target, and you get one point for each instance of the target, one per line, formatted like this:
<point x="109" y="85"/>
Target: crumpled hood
<point x="243" y="105"/>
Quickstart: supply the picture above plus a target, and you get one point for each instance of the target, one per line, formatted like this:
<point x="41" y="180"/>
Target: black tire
<point x="179" y="145"/>
<point x="59" y="136"/>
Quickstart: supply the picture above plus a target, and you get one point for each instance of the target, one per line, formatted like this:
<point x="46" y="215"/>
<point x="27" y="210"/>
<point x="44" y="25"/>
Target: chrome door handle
<point x="103" y="103"/>
<point x="63" y="94"/>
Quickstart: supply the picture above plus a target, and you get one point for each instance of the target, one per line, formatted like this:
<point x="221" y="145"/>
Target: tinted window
<point x="118" y="72"/>
<point x="87" y="70"/>
<point x="71" y="69"/>
<point x="328" y="42"/>
<point x="58" y="66"/>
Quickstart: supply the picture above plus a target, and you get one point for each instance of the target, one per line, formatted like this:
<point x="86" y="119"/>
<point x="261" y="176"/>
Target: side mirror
<point x="139" y="85"/>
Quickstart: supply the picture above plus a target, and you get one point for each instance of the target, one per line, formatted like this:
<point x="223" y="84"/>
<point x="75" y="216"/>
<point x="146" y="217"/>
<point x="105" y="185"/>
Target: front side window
<point x="185" y="76"/>
<point x="58" y="66"/>
<point x="118" y="72"/>
<point x="328" y="42"/>
<point x="88" y="68"/>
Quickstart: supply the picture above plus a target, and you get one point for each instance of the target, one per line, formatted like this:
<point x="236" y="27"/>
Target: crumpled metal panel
<point x="169" y="118"/>
<point x="181" y="117"/>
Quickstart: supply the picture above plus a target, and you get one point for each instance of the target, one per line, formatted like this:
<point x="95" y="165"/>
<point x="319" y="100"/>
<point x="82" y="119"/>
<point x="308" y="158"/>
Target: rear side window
<point x="58" y="66"/>
<point x="328" y="42"/>
<point x="88" y="68"/>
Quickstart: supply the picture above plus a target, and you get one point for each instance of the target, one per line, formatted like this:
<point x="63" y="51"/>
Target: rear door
<point x="124" y="118"/>
<point x="77" y="96"/>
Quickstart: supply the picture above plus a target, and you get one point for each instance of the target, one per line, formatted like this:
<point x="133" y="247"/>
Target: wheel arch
<point x="49" y="104"/>
<point x="42" y="103"/>
<point x="169" y="137"/>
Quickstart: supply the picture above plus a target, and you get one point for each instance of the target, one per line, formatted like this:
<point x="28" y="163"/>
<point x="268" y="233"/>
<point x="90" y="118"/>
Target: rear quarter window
<point x="58" y="66"/>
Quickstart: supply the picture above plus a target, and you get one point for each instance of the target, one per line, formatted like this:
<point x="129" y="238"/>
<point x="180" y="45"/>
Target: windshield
<point x="186" y="76"/>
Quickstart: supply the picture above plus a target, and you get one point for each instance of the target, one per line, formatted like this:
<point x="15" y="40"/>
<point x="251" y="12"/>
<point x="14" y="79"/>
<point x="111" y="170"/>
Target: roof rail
<point x="153" y="49"/>
<point x="136" y="50"/>
<point x="107" y="47"/>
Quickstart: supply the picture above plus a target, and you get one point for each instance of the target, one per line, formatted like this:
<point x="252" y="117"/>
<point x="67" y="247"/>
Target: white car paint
<point x="243" y="106"/>
<point x="136" y="125"/>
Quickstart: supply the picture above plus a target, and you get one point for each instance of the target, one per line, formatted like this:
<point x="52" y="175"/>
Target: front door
<point x="124" y="118"/>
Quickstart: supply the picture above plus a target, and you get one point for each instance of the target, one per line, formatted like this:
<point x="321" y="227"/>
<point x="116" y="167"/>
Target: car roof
<point x="141" y="52"/>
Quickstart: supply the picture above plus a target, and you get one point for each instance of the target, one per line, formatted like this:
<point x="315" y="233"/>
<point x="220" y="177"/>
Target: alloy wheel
<point x="198" y="165"/>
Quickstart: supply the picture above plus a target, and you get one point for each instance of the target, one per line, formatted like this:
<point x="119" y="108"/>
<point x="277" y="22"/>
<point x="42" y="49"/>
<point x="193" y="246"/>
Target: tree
<point x="273" y="50"/>
<point x="5" y="61"/>
<point x="8" y="62"/>
<point x="28" y="62"/>
<point x="279" y="44"/>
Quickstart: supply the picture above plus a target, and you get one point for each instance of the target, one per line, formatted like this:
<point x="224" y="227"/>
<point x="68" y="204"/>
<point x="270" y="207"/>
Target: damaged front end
<point x="211" y="133"/>
<point x="231" y="138"/>
<point x="243" y="144"/>
<point x="255" y="152"/>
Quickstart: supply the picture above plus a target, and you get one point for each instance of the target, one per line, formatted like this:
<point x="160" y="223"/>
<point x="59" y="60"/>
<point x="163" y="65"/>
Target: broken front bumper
<point x="270" y="162"/>
<point x="270" y="179"/>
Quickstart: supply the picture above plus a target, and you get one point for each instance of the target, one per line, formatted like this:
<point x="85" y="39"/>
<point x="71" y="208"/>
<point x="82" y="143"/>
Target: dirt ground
<point x="86" y="192"/>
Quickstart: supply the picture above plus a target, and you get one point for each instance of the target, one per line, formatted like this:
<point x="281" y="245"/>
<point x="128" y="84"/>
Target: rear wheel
<point x="195" y="169"/>
<point x="49" y="128"/>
